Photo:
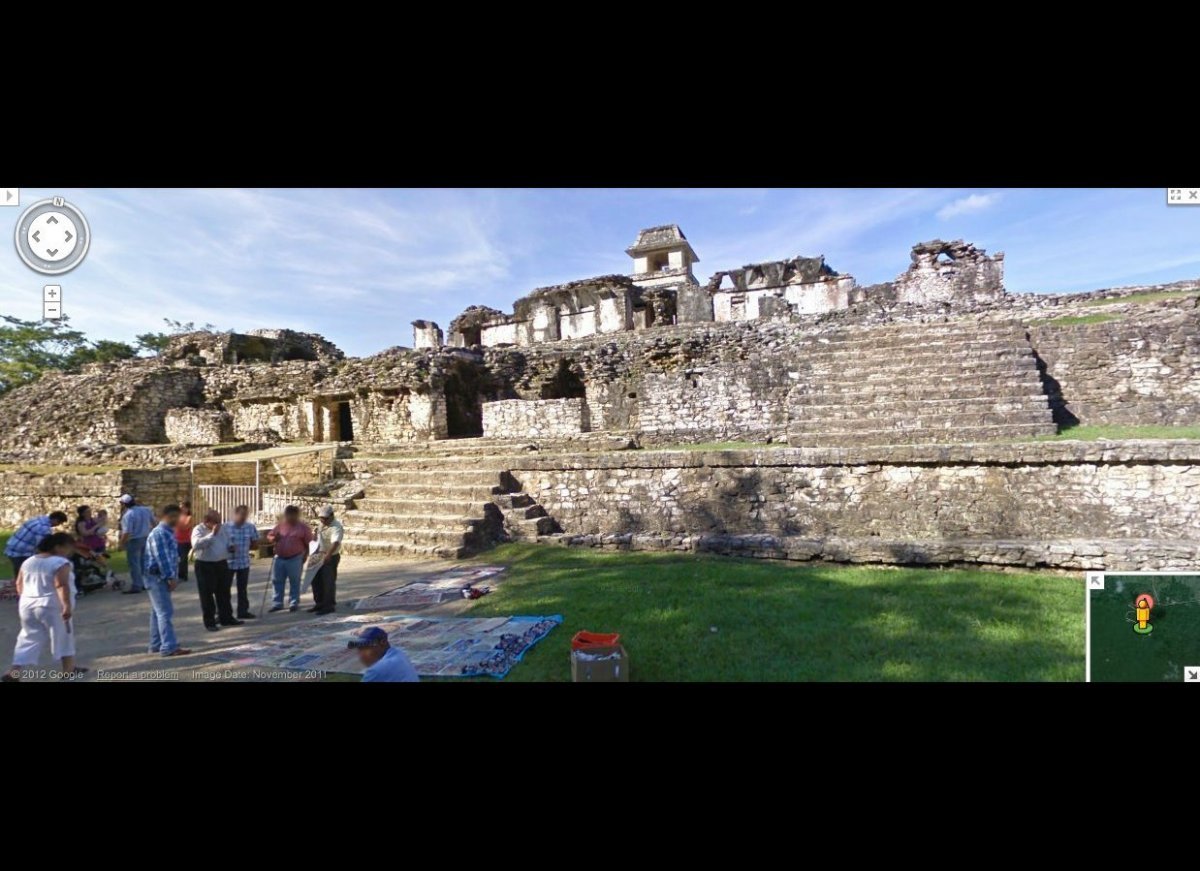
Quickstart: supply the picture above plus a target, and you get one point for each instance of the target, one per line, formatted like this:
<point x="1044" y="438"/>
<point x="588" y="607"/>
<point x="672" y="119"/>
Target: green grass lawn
<point x="1072" y="320"/>
<point x="1094" y="433"/>
<point x="1148" y="296"/>
<point x="118" y="561"/>
<point x="688" y="617"/>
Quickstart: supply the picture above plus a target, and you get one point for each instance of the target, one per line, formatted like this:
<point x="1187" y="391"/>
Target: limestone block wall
<point x="525" y="418"/>
<point x="198" y="426"/>
<point x="1133" y="505"/>
<point x="288" y="417"/>
<point x="398" y="416"/>
<point x="24" y="494"/>
<point x="1139" y="368"/>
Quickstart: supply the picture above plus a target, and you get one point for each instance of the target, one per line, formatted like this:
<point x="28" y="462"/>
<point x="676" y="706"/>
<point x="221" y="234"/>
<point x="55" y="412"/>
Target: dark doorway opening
<point x="566" y="383"/>
<point x="464" y="403"/>
<point x="345" y="423"/>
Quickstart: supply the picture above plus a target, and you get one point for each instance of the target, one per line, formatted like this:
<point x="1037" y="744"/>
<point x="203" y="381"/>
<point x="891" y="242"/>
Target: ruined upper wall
<point x="203" y="347"/>
<point x="949" y="273"/>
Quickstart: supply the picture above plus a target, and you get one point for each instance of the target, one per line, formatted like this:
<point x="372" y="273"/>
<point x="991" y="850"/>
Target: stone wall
<point x="951" y="272"/>
<point x="198" y="426"/>
<point x="1140" y="367"/>
<point x="25" y="494"/>
<point x="1132" y="505"/>
<point x="398" y="416"/>
<point x="522" y="418"/>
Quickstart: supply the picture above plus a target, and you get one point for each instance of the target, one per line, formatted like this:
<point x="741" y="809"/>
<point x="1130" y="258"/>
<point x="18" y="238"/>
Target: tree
<point x="156" y="343"/>
<point x="30" y="348"/>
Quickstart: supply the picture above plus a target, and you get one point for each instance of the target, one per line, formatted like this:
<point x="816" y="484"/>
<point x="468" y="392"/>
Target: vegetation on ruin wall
<point x="1148" y="296"/>
<point x="1115" y="433"/>
<point x="777" y="621"/>
<point x="1072" y="320"/>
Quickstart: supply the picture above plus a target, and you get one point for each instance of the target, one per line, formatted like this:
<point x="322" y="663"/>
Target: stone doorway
<point x="345" y="423"/>
<point x="464" y="403"/>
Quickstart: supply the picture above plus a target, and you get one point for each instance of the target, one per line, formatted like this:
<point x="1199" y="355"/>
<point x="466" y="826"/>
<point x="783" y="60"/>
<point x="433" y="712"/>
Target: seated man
<point x="383" y="662"/>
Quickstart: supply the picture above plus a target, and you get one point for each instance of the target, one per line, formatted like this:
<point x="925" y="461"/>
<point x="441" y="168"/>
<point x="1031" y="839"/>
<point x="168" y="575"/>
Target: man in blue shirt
<point x="24" y="542"/>
<point x="243" y="535"/>
<point x="161" y="572"/>
<point x="383" y="662"/>
<point x="136" y="521"/>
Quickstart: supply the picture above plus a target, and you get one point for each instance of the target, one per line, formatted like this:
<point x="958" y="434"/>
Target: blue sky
<point x="358" y="266"/>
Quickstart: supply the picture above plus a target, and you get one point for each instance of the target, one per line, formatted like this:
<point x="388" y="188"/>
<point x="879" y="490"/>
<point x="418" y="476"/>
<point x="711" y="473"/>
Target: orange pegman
<point x="1141" y="614"/>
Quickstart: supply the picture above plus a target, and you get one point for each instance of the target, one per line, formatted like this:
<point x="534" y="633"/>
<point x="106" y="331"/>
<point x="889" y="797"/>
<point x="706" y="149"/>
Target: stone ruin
<point x="907" y="408"/>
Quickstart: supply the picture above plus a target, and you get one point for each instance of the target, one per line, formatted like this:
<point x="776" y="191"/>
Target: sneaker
<point x="211" y="628"/>
<point x="246" y="616"/>
<point x="231" y="622"/>
<point x="178" y="651"/>
<point x="275" y="608"/>
<point x="294" y="608"/>
<point x="314" y="609"/>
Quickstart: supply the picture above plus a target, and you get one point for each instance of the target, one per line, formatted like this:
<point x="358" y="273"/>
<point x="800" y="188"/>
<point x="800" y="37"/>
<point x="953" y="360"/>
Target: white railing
<point x="273" y="502"/>
<point x="225" y="498"/>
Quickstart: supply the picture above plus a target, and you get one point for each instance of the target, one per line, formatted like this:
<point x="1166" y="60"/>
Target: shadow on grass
<point x="686" y="617"/>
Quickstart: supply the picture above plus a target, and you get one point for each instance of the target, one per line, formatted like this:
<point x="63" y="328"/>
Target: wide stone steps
<point x="951" y="341"/>
<point x="371" y="547"/>
<point x="362" y="520"/>
<point x="915" y="423"/>
<point x="419" y="507"/>
<point x="818" y="350"/>
<point x="440" y="476"/>
<point x="901" y="368"/>
<point x="439" y="492"/>
<point x="893" y="436"/>
<point x="889" y="408"/>
<point x="405" y="535"/>
<point x="950" y="379"/>
<point x="936" y="391"/>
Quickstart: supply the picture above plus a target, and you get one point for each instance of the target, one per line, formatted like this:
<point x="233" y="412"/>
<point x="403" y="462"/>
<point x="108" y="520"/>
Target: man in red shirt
<point x="290" y="538"/>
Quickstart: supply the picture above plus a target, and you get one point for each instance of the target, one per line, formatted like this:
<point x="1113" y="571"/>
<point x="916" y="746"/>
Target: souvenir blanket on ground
<point x="437" y="646"/>
<point x="429" y="590"/>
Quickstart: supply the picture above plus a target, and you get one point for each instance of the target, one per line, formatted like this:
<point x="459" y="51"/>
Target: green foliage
<point x="705" y="618"/>
<point x="1147" y="296"/>
<point x="1072" y="320"/>
<point x="1114" y="433"/>
<point x="29" y="348"/>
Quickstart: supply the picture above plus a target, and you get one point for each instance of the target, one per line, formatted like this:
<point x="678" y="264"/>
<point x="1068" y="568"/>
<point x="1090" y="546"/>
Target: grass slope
<point x="1095" y="433"/>
<point x="780" y="621"/>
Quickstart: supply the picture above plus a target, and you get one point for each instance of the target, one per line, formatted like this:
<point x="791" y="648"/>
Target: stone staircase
<point x="425" y="503"/>
<point x="923" y="384"/>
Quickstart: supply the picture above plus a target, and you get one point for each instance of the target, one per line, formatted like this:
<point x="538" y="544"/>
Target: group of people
<point x="159" y="549"/>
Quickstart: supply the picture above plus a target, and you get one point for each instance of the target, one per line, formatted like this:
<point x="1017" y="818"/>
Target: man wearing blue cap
<point x="383" y="662"/>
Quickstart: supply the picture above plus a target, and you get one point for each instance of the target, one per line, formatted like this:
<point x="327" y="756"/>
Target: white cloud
<point x="968" y="205"/>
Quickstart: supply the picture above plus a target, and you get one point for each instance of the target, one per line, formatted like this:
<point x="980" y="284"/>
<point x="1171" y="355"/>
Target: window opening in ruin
<point x="660" y="263"/>
<point x="633" y="396"/>
<point x="345" y="423"/>
<point x="695" y="383"/>
<point x="565" y="384"/>
<point x="472" y="336"/>
<point x="944" y="258"/>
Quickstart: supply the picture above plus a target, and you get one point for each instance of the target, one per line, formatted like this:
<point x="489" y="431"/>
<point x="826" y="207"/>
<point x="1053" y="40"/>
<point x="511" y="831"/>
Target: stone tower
<point x="662" y="256"/>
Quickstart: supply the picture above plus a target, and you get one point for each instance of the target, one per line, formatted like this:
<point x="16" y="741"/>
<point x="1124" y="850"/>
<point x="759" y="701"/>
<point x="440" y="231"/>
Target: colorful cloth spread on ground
<point x="431" y="590"/>
<point x="437" y="646"/>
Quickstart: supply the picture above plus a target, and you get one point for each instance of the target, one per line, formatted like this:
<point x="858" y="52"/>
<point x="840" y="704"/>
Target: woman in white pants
<point x="46" y="584"/>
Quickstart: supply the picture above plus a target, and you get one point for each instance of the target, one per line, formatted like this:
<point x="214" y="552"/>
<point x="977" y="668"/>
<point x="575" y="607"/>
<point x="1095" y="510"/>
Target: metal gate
<point x="224" y="498"/>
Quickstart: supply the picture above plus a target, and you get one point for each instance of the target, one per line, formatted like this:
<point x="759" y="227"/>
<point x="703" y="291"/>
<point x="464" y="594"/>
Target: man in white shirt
<point x="211" y="547"/>
<point x="326" y="559"/>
